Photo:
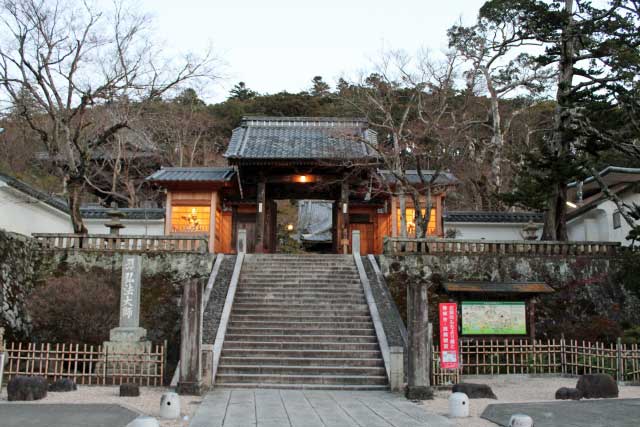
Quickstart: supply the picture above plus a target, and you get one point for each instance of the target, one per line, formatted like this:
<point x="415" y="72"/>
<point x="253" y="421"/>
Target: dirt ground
<point x="510" y="389"/>
<point x="148" y="403"/>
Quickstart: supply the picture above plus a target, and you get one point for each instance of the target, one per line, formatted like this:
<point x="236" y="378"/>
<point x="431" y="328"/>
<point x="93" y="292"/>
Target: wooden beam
<point x="167" y="215"/>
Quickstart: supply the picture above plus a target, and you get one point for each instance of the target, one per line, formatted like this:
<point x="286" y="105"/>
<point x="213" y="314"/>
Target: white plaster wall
<point x="26" y="215"/>
<point x="597" y="224"/>
<point x="132" y="227"/>
<point x="487" y="231"/>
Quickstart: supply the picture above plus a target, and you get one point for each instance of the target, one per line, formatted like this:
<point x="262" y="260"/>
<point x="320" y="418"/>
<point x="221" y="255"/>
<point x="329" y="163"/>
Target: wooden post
<point x="2" y="356"/>
<point x="619" y="362"/>
<point x="344" y="211"/>
<point x="260" y="216"/>
<point x="190" y="381"/>
<point x="419" y="366"/>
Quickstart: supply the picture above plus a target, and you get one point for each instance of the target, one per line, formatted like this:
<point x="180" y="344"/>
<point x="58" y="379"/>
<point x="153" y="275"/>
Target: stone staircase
<point x="301" y="321"/>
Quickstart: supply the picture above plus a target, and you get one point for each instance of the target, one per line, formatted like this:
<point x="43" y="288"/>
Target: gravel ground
<point x="148" y="403"/>
<point x="510" y="389"/>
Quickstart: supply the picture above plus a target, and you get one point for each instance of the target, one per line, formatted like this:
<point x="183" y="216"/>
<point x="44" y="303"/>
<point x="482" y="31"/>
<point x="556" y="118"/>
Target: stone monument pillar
<point x="128" y="338"/>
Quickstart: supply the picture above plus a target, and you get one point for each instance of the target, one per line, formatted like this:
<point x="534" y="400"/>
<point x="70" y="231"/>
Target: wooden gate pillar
<point x="344" y="212"/>
<point x="260" y="216"/>
<point x="419" y="366"/>
<point x="190" y="381"/>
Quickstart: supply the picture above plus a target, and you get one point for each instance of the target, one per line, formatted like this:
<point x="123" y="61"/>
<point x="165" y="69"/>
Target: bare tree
<point x="74" y="58"/>
<point x="409" y="102"/>
<point x="501" y="68"/>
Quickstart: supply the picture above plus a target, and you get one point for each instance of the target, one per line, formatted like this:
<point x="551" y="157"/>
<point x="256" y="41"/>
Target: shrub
<point x="78" y="309"/>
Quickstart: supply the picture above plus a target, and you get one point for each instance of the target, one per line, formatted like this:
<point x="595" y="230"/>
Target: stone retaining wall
<point x="588" y="303"/>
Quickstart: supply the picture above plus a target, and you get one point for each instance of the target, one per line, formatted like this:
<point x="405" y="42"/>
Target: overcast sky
<point x="276" y="45"/>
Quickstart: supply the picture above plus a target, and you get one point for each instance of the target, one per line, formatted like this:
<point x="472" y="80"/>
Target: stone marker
<point x="594" y="386"/>
<point x="566" y="393"/>
<point x="26" y="388"/>
<point x="128" y="338"/>
<point x="474" y="391"/>
<point x="63" y="385"/>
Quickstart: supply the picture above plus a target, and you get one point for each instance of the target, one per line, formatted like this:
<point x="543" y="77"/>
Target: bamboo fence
<point x="539" y="357"/>
<point x="85" y="364"/>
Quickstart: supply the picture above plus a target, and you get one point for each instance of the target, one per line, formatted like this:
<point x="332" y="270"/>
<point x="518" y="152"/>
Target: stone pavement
<point x="64" y="415"/>
<point x="311" y="408"/>
<point x="584" y="413"/>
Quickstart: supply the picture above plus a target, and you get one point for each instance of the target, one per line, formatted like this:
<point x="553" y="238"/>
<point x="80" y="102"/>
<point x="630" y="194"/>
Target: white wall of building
<point x="597" y="223"/>
<point x="487" y="230"/>
<point x="26" y="215"/>
<point x="138" y="227"/>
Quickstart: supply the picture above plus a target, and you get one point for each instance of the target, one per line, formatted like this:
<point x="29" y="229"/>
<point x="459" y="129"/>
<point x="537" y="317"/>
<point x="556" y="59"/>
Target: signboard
<point x="494" y="318"/>
<point x="449" y="335"/>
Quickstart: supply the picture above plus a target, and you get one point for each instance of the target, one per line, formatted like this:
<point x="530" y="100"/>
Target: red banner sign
<point x="449" y="335"/>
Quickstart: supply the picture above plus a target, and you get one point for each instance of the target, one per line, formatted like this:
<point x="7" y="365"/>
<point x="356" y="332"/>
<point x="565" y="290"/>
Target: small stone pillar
<point x="241" y="244"/>
<point x="190" y="381"/>
<point x="396" y="362"/>
<point x="2" y="356"/>
<point x="419" y="366"/>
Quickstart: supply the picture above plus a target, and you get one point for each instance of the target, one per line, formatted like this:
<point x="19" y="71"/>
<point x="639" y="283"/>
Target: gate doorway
<point x="303" y="226"/>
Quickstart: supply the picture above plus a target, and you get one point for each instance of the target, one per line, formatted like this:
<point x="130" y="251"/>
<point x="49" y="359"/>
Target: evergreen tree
<point x="241" y="92"/>
<point x="319" y="87"/>
<point x="596" y="51"/>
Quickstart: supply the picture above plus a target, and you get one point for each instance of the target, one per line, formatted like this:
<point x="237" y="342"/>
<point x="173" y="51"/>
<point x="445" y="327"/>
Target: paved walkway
<point x="585" y="413"/>
<point x="64" y="415"/>
<point x="311" y="408"/>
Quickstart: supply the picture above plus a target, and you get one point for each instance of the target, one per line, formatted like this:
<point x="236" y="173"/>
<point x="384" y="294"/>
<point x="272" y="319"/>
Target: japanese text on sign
<point x="449" y="335"/>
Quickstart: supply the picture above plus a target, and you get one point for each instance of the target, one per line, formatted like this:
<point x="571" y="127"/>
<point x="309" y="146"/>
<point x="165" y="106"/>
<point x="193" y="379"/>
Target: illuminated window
<point x="411" y="222"/>
<point x="190" y="219"/>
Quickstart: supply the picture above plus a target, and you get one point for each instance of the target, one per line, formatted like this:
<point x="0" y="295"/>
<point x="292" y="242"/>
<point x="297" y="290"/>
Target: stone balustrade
<point x="123" y="243"/>
<point x="433" y="246"/>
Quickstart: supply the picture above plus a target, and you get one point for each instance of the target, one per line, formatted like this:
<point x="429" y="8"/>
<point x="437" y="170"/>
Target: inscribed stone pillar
<point x="344" y="211"/>
<point x="419" y="366"/>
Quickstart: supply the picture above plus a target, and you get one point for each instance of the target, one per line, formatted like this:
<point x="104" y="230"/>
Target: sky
<point x="276" y="45"/>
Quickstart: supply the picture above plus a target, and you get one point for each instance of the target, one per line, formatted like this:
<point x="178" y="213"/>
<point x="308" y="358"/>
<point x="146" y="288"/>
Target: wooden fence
<point x="132" y="243"/>
<point x="559" y="357"/>
<point x="85" y="364"/>
<point x="394" y="245"/>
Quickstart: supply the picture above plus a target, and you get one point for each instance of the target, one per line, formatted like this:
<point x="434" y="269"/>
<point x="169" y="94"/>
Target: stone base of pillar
<point x="190" y="388"/>
<point x="419" y="393"/>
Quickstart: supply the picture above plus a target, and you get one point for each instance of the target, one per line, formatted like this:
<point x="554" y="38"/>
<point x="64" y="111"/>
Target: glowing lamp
<point x="302" y="178"/>
<point x="289" y="227"/>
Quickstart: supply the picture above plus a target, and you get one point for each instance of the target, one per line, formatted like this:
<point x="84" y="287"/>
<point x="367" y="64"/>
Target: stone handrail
<point x="123" y="243"/>
<point x="397" y="245"/>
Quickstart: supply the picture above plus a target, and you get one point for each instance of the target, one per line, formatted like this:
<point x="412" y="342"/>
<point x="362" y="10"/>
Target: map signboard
<point x="494" y="318"/>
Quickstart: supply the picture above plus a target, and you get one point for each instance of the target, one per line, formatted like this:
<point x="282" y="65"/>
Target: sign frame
<point x="449" y="351"/>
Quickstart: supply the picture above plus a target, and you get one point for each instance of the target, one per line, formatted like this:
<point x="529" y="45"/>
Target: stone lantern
<point x="530" y="231"/>
<point x="115" y="215"/>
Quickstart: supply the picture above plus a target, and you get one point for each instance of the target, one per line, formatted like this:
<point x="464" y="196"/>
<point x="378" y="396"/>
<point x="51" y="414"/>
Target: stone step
<point x="277" y="338"/>
<point x="284" y="300"/>
<point x="284" y="317"/>
<point x="302" y="379"/>
<point x="300" y="313"/>
<point x="297" y="353"/>
<point x="299" y="325"/>
<point x="301" y="331"/>
<point x="302" y="361"/>
<point x="340" y="387"/>
<point x="286" y="268"/>
<point x="241" y="369"/>
<point x="269" y="307"/>
<point x="290" y="289"/>
<point x="297" y="280"/>
<point x="294" y="345"/>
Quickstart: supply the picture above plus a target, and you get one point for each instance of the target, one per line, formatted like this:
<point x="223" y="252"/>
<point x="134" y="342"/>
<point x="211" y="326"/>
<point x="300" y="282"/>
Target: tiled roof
<point x="49" y="199"/>
<point x="203" y="174"/>
<point x="493" y="217"/>
<point x="130" y="213"/>
<point x="443" y="178"/>
<point x="301" y="138"/>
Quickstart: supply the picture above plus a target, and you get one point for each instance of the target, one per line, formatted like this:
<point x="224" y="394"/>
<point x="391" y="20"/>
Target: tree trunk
<point x="74" y="197"/>
<point x="555" y="225"/>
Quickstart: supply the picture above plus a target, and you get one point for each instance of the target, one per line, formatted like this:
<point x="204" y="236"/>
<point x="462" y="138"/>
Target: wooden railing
<point x="555" y="356"/>
<point x="85" y="364"/>
<point x="125" y="243"/>
<point x="396" y="245"/>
